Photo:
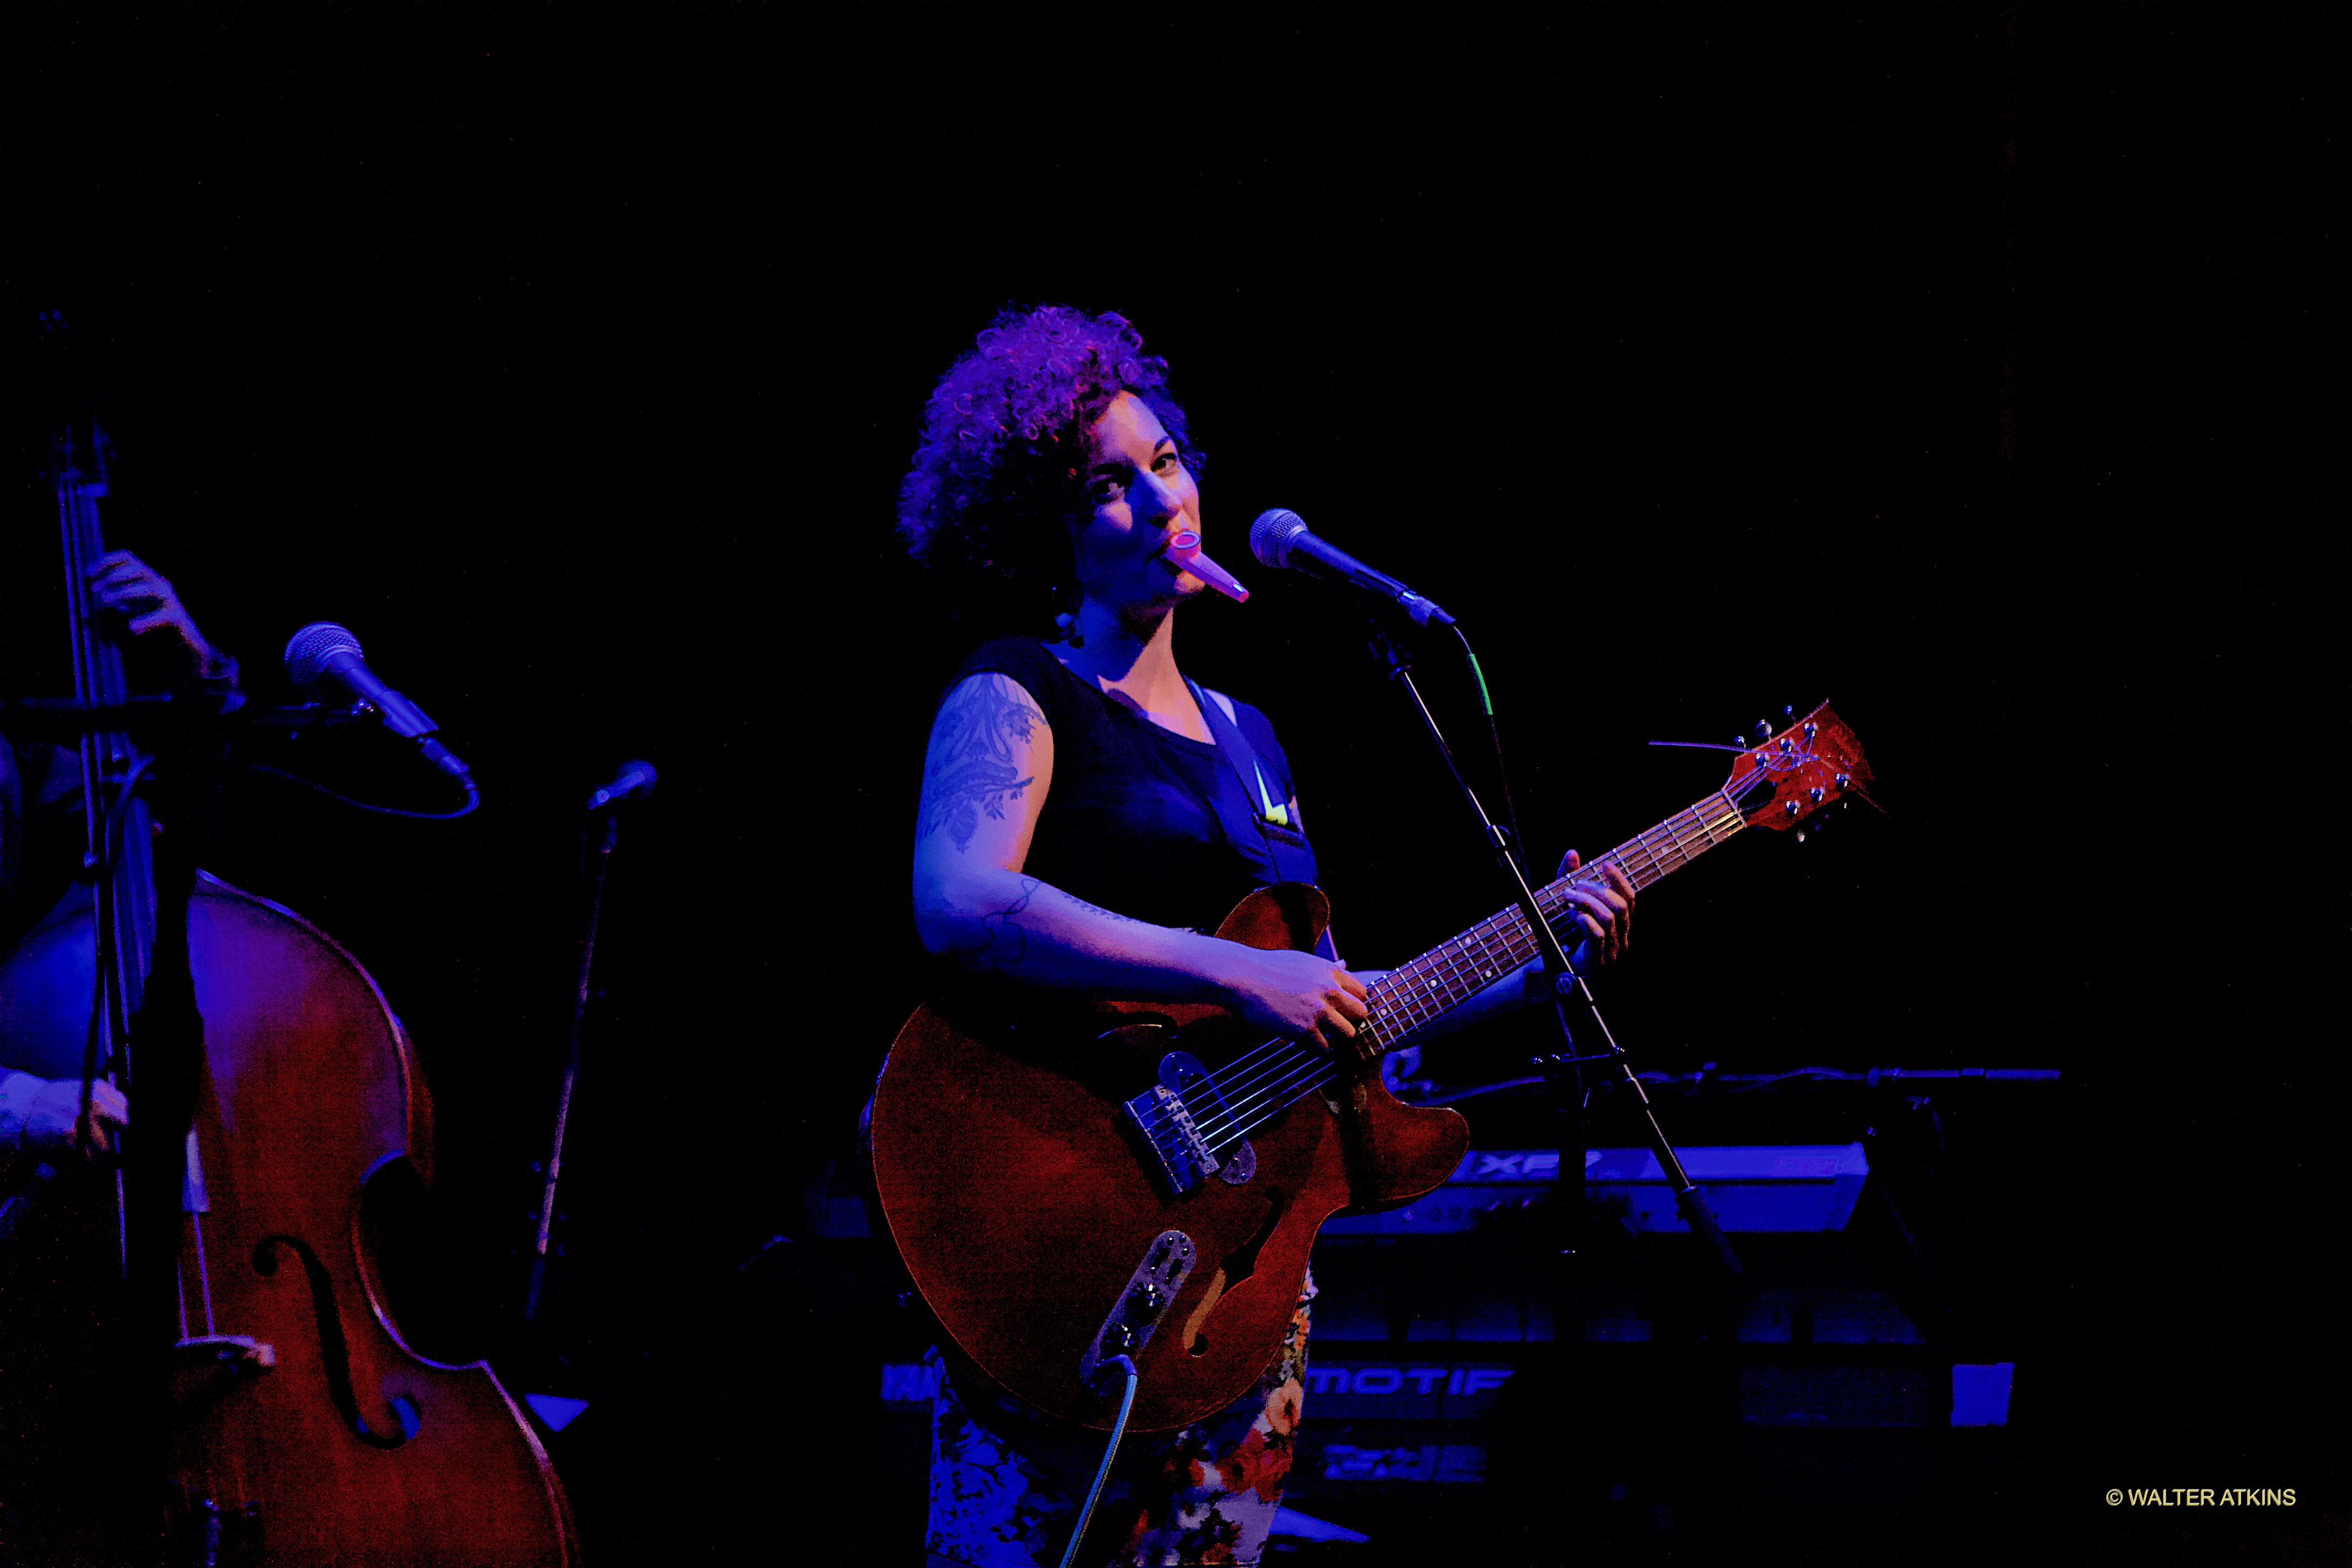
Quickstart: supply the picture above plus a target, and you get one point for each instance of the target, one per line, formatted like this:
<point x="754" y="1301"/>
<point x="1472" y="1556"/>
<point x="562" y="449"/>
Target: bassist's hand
<point x="47" y="1113"/>
<point x="129" y="585"/>
<point x="1300" y="994"/>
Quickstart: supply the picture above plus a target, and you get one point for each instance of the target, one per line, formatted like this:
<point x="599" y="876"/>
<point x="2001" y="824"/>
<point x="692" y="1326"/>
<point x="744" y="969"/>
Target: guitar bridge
<point x="1164" y="1114"/>
<point x="1166" y="1122"/>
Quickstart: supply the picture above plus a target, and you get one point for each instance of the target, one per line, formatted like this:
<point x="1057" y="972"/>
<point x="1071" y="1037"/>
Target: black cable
<point x="473" y="796"/>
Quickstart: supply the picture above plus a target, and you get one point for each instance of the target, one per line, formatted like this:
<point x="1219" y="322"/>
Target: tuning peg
<point x="1763" y="729"/>
<point x="1791" y="807"/>
<point x="1844" y="780"/>
<point x="1787" y="712"/>
<point x="1811" y="730"/>
<point x="1817" y="793"/>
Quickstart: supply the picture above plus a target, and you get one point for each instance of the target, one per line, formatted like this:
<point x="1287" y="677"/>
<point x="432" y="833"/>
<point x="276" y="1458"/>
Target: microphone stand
<point x="1563" y="1075"/>
<point x="605" y="824"/>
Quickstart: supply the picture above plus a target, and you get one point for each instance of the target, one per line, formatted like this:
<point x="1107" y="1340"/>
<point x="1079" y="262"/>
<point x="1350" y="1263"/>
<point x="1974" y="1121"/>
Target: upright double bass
<point x="283" y="1420"/>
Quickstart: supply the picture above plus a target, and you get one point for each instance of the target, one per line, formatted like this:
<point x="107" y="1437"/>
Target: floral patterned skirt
<point x="1007" y="1483"/>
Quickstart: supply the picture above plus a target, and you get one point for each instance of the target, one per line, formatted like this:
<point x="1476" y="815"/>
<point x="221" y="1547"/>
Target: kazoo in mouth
<point x="1182" y="553"/>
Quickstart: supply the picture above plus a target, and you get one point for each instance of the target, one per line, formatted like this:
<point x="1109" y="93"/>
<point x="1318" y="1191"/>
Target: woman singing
<point x="1069" y="837"/>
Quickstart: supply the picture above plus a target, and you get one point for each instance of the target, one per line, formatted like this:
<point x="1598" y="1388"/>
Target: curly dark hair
<point x="998" y="478"/>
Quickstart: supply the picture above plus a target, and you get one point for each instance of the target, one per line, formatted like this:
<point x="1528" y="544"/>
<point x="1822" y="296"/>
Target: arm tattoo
<point x="971" y="769"/>
<point x="1004" y="943"/>
<point x="1097" y="909"/>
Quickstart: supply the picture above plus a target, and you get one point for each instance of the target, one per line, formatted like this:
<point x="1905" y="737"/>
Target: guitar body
<point x="1022" y="1200"/>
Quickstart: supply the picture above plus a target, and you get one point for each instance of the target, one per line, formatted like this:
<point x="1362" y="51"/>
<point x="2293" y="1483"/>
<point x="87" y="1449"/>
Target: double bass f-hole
<point x="334" y="1350"/>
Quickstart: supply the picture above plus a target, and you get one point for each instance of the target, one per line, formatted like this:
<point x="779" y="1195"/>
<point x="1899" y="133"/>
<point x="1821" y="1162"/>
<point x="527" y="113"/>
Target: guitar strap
<point x="1267" y="818"/>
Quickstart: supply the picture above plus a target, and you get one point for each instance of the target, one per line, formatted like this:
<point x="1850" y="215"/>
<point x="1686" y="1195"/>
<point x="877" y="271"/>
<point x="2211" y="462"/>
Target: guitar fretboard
<point x="1453" y="972"/>
<point x="1257" y="1085"/>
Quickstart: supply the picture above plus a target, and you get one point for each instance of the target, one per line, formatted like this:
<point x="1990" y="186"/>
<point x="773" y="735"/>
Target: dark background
<point x="1951" y="363"/>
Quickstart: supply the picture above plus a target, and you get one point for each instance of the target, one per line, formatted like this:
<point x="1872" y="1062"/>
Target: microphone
<point x="633" y="779"/>
<point x="1280" y="538"/>
<point x="323" y="652"/>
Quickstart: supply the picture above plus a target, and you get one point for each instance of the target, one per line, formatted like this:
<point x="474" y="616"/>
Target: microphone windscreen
<point x="307" y="650"/>
<point x="1274" y="532"/>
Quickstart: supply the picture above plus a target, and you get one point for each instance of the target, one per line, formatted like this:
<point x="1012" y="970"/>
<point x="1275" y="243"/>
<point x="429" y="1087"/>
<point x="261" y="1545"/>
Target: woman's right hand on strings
<point x="1300" y="994"/>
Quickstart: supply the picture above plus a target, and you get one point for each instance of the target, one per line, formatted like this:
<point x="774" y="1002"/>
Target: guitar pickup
<point x="1142" y="1302"/>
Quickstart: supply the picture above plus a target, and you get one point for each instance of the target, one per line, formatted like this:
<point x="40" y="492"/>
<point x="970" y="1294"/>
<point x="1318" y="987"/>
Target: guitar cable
<point x="1118" y="1431"/>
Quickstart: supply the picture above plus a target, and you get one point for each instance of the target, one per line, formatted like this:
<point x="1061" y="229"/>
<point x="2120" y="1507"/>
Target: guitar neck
<point x="1453" y="972"/>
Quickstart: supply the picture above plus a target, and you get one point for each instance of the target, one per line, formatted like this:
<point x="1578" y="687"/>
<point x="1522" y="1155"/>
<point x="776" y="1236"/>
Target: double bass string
<point x="117" y="841"/>
<point x="99" y="679"/>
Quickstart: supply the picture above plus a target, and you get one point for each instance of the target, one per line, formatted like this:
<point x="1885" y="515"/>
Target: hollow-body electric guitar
<point x="1147" y="1179"/>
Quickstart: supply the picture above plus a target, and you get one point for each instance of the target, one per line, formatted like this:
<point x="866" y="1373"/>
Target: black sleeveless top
<point x="1132" y="821"/>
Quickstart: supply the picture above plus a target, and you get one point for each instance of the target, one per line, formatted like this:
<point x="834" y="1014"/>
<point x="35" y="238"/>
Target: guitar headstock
<point x="1787" y="777"/>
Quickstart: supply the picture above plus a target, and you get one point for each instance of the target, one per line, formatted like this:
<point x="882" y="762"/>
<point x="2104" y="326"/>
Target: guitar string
<point x="1688" y="834"/>
<point x="1474" y="953"/>
<point x="1290" y="1075"/>
<point x="1471" y="953"/>
<point x="1682" y="837"/>
<point x="1266" y="1084"/>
